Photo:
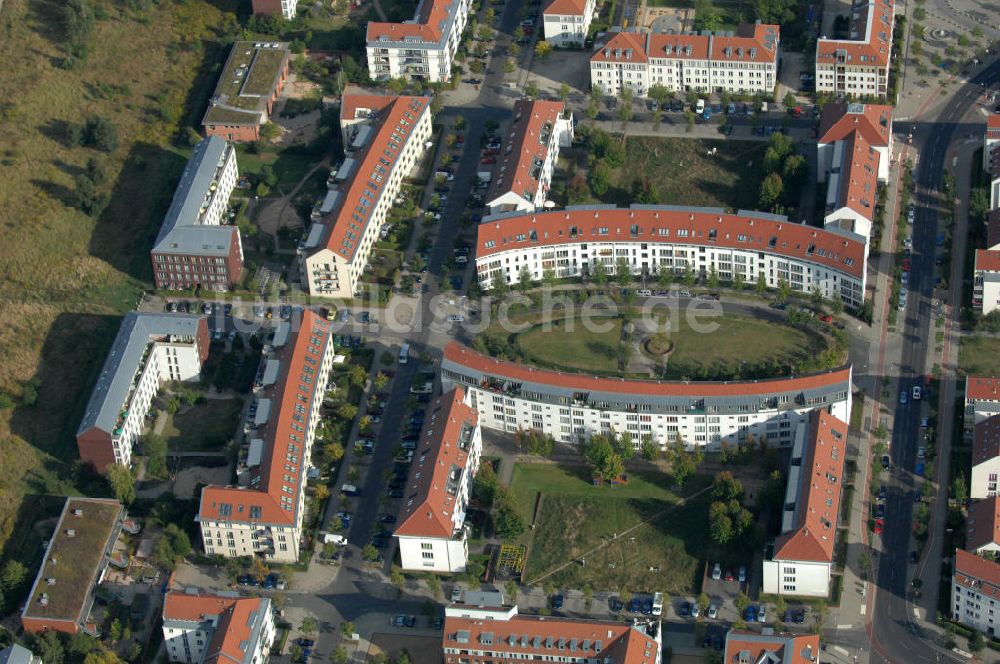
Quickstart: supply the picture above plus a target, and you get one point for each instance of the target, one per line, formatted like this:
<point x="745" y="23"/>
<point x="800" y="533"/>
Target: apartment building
<point x="975" y="592"/>
<point x="859" y="65"/>
<point x="18" y="654"/>
<point x="573" y="407"/>
<point x="986" y="277"/>
<point x="197" y="245"/>
<point x="753" y="245"/>
<point x="743" y="62"/>
<point x="982" y="527"/>
<point x="264" y="517"/>
<point x="770" y="647"/>
<point x="567" y="22"/>
<point x="76" y="559"/>
<point x="149" y="350"/>
<point x="801" y="562"/>
<point x="432" y="534"/>
<point x="203" y="629"/>
<point x="982" y="400"/>
<point x="985" y="457"/>
<point x="853" y="153"/>
<point x="251" y="81"/>
<point x="283" y="8"/>
<point x="422" y="48"/>
<point x="529" y="155"/>
<point x="491" y="633"/>
<point x="991" y="141"/>
<point x="387" y="138"/>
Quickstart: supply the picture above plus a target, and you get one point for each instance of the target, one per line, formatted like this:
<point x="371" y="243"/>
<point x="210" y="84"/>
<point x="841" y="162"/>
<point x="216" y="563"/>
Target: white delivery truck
<point x="657" y="604"/>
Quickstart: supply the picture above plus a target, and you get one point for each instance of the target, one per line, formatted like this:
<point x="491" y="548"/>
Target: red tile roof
<point x="859" y="176"/>
<point x="761" y="37"/>
<point x="980" y="575"/>
<point x="394" y="126"/>
<point x="988" y="260"/>
<point x="623" y="47"/>
<point x="540" y="636"/>
<point x="982" y="388"/>
<point x="873" y="44"/>
<point x="233" y="628"/>
<point x="283" y="437"/>
<point x="428" y="26"/>
<point x="993" y="126"/>
<point x="524" y="146"/>
<point x="351" y="102"/>
<point x="983" y="524"/>
<point x="840" y="119"/>
<point x="467" y="357"/>
<point x="818" y="503"/>
<point x="566" y="8"/>
<point x="986" y="440"/>
<point x="789" y="648"/>
<point x="751" y="43"/>
<point x="428" y="508"/>
<point x="696" y="226"/>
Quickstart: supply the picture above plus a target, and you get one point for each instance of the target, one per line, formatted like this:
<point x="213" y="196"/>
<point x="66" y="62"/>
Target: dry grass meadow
<point x="65" y="278"/>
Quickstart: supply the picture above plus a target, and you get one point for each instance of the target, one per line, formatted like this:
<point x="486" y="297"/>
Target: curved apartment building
<point x="573" y="407"/>
<point x="572" y="241"/>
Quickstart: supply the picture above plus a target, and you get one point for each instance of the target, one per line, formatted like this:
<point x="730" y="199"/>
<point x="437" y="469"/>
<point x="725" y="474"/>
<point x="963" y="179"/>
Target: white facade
<point x="511" y="397"/>
<point x="742" y="64"/>
<point x="326" y="272"/>
<point x="445" y="555"/>
<point x="975" y="593"/>
<point x="859" y="66"/>
<point x="797" y="578"/>
<point x="983" y="482"/>
<point x="986" y="282"/>
<point x="420" y="49"/>
<point x="677" y="253"/>
<point x="566" y="23"/>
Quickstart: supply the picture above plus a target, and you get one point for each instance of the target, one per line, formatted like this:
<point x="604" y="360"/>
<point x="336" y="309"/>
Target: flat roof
<point x="247" y="82"/>
<point x="73" y="559"/>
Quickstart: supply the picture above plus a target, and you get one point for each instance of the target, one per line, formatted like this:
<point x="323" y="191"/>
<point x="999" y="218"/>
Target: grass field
<point x="205" y="427"/>
<point x="576" y="516"/>
<point x="979" y="356"/>
<point x="686" y="173"/>
<point x="738" y="343"/>
<point x="65" y="278"/>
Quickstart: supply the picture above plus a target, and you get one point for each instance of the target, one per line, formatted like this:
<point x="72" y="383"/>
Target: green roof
<point x="247" y="83"/>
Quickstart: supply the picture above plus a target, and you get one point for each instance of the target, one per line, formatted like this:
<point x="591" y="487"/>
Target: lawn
<point x="738" y="345"/>
<point x="686" y="172"/>
<point x="205" y="427"/>
<point x="576" y="516"/>
<point x="66" y="278"/>
<point x="979" y="356"/>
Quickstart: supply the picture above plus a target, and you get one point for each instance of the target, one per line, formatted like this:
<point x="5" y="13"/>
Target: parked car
<point x="742" y="574"/>
<point x="615" y="604"/>
<point x="685" y="610"/>
<point x="885" y="462"/>
<point x="557" y="601"/>
<point x="713" y="611"/>
<point x="717" y="572"/>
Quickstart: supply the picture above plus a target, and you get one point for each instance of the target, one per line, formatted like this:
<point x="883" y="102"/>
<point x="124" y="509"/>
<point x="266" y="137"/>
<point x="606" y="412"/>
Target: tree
<point x="543" y="49"/>
<point x="625" y="110"/>
<point x="357" y="376"/>
<point x="658" y="93"/>
<point x="347" y="628"/>
<point x="742" y="601"/>
<point x="959" y="488"/>
<point x="322" y="492"/>
<point x="14" y="573"/>
<point x="339" y="655"/>
<point x="507" y="520"/>
<point x="397" y="578"/>
<point x="334" y="452"/>
<point x="794" y="171"/>
<point x="599" y="179"/>
<point x="703" y="602"/>
<point x="101" y="656"/>
<point x="347" y="411"/>
<point x="509" y="66"/>
<point x="48" y="646"/>
<point x="790" y="101"/>
<point x="657" y="118"/>
<point x="599" y="274"/>
<point x="155" y="448"/>
<point x="648" y="448"/>
<point x="725" y="487"/>
<point x="665" y="277"/>
<point x="976" y="641"/>
<point x="369" y="553"/>
<point x="78" y="22"/>
<point x="485" y="485"/>
<point x="623" y="272"/>
<point x="720" y="525"/>
<point x="644" y="190"/>
<point x="531" y="89"/>
<point x="511" y="589"/>
<point x="122" y="483"/>
<point x="713" y="277"/>
<point x="524" y="280"/>
<point x="564" y="91"/>
<point x="549" y="277"/>
<point x="100" y="133"/>
<point x="690" y="278"/>
<point x="771" y="190"/>
<point x="761" y="284"/>
<point x="738" y="283"/>
<point x="682" y="465"/>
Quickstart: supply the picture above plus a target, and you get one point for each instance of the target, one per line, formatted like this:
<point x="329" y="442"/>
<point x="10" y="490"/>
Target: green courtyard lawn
<point x="205" y="427"/>
<point x="737" y="346"/>
<point x="979" y="356"/>
<point x="575" y="517"/>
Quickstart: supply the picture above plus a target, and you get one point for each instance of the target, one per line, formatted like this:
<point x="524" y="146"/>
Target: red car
<point x="826" y="318"/>
<point x="879" y="525"/>
<point x="906" y="265"/>
<point x="729" y="575"/>
<point x="488" y="159"/>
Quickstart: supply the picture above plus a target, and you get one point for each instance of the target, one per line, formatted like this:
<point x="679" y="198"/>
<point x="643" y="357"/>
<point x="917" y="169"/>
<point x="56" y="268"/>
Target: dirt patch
<point x="421" y="648"/>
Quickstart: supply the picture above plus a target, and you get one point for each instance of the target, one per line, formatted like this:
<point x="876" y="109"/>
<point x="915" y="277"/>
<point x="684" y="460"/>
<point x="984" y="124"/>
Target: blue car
<point x="634" y="605"/>
<point x="647" y="606"/>
<point x="557" y="601"/>
<point x="751" y="614"/>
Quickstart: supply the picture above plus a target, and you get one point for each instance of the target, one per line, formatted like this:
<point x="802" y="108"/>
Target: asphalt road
<point x="897" y="632"/>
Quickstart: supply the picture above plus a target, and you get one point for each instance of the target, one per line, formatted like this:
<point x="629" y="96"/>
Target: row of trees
<point x="786" y="174"/>
<point x="728" y="519"/>
<point x="490" y="493"/>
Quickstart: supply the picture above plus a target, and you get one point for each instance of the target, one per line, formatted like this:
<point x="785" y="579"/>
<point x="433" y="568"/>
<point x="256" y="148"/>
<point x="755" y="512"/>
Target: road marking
<point x="838" y="649"/>
<point x="916" y="613"/>
<point x="864" y="608"/>
<point x="847" y="626"/>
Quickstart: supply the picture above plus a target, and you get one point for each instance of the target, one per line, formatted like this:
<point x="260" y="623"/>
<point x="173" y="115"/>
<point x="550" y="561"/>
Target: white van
<point x="699" y="107"/>
<point x="334" y="538"/>
<point x="763" y="107"/>
<point x="657" y="603"/>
